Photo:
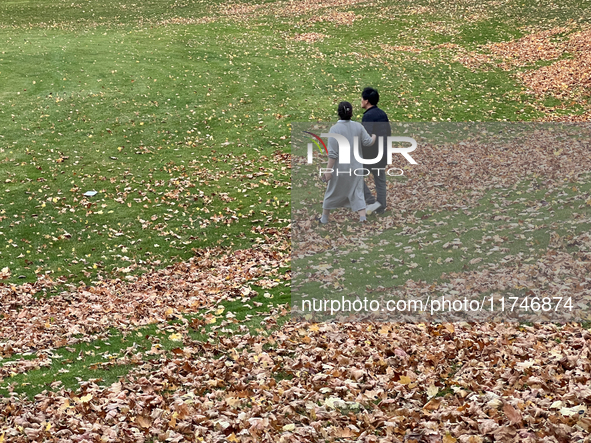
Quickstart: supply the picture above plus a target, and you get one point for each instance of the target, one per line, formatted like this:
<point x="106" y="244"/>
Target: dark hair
<point x="345" y="111"/>
<point x="371" y="95"/>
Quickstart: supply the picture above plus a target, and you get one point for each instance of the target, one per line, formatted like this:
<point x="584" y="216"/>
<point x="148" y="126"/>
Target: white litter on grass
<point x="90" y="193"/>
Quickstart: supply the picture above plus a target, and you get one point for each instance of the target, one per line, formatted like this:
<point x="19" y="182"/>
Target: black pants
<point x="379" y="178"/>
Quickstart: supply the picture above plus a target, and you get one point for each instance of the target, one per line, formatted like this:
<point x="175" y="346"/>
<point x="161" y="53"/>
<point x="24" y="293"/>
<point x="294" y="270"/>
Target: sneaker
<point x="371" y="208"/>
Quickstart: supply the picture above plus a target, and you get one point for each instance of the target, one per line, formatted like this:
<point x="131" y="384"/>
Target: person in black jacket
<point x="376" y="122"/>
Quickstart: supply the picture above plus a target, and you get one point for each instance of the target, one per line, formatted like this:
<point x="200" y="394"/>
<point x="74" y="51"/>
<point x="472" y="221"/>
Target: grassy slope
<point x="100" y="96"/>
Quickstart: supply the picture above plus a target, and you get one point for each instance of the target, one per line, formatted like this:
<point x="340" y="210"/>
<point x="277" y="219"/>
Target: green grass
<point x="179" y="128"/>
<point x="166" y="122"/>
<point x="160" y="173"/>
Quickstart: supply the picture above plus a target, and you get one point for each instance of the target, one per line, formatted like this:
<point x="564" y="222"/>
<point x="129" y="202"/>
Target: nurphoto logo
<point x="345" y="153"/>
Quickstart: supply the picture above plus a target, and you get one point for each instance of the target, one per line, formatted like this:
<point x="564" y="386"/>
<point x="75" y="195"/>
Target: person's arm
<point x="366" y="139"/>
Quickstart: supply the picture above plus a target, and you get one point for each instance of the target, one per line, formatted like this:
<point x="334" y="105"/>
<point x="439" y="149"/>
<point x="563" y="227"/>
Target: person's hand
<point x="327" y="176"/>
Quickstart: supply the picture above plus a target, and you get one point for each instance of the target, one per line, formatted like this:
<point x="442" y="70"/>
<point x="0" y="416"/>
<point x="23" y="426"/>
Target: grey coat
<point x="345" y="190"/>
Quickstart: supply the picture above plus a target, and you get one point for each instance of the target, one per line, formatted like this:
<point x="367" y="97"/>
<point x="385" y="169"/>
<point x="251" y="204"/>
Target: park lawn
<point x="171" y="124"/>
<point x="178" y="117"/>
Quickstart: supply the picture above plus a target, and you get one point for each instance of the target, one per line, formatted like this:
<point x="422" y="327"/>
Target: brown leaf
<point x="512" y="414"/>
<point x="142" y="421"/>
<point x="433" y="404"/>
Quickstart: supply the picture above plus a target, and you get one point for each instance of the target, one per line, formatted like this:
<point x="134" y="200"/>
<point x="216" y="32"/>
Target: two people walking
<point x="350" y="190"/>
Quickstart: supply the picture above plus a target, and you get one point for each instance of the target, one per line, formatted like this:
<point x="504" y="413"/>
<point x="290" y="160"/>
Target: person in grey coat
<point x="345" y="182"/>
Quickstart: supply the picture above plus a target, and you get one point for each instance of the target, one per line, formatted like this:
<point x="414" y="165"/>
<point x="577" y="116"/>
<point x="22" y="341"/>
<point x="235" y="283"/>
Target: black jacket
<point x="382" y="129"/>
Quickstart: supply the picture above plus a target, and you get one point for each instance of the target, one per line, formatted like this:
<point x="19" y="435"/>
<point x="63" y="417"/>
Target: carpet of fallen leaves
<point x="292" y="9"/>
<point x="561" y="79"/>
<point x="327" y="382"/>
<point x="525" y="51"/>
<point x="338" y="18"/>
<point x="585" y="117"/>
<point x="309" y="37"/>
<point x="39" y="324"/>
